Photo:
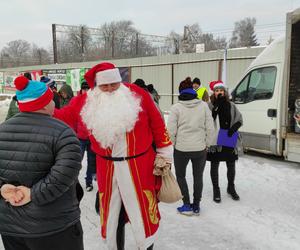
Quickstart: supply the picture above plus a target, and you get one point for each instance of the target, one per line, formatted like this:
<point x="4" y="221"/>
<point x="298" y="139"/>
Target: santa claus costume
<point x="123" y="126"/>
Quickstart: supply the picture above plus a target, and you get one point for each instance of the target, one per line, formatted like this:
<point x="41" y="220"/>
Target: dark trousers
<point x="214" y="173"/>
<point x="198" y="159"/>
<point x="85" y="145"/>
<point x="70" y="239"/>
<point x="121" y="230"/>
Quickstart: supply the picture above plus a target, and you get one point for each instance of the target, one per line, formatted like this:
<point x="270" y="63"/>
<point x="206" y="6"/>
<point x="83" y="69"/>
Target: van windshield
<point x="257" y="85"/>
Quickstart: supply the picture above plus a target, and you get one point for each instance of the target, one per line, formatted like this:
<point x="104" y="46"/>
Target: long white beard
<point x="110" y="115"/>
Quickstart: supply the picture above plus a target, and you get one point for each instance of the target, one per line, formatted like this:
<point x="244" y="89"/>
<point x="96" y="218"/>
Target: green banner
<point x="74" y="77"/>
<point x="1" y="78"/>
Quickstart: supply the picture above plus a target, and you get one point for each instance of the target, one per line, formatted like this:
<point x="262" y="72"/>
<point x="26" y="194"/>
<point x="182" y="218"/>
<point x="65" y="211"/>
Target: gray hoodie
<point x="190" y="125"/>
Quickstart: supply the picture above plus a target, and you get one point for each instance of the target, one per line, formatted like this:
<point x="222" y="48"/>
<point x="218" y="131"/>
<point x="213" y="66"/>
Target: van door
<point x="257" y="100"/>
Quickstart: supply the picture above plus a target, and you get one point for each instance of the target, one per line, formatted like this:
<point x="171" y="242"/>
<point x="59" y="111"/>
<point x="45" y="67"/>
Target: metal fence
<point x="164" y="72"/>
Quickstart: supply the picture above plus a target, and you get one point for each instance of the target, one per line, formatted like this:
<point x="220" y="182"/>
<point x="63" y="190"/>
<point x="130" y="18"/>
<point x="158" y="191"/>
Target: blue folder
<point x="225" y="140"/>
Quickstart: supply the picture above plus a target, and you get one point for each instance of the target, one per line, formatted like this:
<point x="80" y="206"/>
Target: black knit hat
<point x="140" y="82"/>
<point x="197" y="80"/>
<point x="28" y="75"/>
<point x="84" y="85"/>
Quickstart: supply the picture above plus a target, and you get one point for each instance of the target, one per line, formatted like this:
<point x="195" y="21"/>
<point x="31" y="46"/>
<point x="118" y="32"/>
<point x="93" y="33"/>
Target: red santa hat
<point x="102" y="73"/>
<point x="216" y="84"/>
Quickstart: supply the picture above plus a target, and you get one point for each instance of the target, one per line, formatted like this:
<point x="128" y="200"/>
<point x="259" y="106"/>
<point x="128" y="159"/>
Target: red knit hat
<point x="216" y="84"/>
<point x="102" y="73"/>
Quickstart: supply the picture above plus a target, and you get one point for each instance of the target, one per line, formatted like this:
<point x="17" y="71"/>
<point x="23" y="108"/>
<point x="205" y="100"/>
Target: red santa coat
<point x="74" y="120"/>
<point x="129" y="182"/>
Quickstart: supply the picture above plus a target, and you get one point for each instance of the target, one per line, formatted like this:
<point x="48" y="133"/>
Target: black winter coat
<point x="42" y="153"/>
<point x="229" y="120"/>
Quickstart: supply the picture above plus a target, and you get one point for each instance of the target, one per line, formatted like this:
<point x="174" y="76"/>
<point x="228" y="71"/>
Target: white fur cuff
<point x="166" y="152"/>
<point x="108" y="76"/>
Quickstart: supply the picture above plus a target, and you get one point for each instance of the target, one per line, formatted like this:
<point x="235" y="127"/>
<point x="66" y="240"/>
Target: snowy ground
<point x="5" y="100"/>
<point x="266" y="217"/>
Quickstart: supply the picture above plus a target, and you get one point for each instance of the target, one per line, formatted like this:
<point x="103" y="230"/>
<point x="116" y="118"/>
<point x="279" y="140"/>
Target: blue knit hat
<point x="188" y="91"/>
<point x="49" y="82"/>
<point x="32" y="95"/>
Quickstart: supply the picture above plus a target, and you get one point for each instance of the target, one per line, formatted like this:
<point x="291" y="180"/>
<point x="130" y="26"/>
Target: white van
<point x="267" y="93"/>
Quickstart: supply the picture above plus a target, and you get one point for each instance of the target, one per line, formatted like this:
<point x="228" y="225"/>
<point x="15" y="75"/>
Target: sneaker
<point x="185" y="209"/>
<point x="89" y="187"/>
<point x="196" y="210"/>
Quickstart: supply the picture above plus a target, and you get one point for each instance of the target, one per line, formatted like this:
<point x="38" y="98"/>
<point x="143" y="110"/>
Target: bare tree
<point x="193" y="35"/>
<point x="211" y="43"/>
<point x="21" y="53"/>
<point x="243" y="34"/>
<point x="220" y="43"/>
<point x="63" y="51"/>
<point x="16" y="53"/>
<point x="5" y="61"/>
<point x="96" y="50"/>
<point x="66" y="51"/>
<point x="79" y="40"/>
<point x="40" y="55"/>
<point x="121" y="40"/>
<point x="112" y="40"/>
<point x="174" y="42"/>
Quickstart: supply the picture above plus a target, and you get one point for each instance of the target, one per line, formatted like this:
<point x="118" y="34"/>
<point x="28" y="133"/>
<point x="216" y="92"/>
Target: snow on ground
<point x="5" y="100"/>
<point x="266" y="217"/>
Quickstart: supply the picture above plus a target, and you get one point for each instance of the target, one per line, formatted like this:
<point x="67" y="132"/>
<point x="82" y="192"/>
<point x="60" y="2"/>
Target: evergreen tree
<point x="243" y="34"/>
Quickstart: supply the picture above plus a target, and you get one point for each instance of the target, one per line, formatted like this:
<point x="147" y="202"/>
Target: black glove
<point x="79" y="192"/>
<point x="234" y="128"/>
<point x="230" y="132"/>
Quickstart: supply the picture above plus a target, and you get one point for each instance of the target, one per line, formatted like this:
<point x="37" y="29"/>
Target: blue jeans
<point x="85" y="145"/>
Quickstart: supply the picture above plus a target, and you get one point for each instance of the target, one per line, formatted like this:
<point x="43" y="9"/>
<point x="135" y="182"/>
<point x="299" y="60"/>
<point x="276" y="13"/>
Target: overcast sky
<point x="31" y="19"/>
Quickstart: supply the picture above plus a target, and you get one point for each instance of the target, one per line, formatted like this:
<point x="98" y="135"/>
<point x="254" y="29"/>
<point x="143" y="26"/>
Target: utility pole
<point x="1" y="56"/>
<point x="39" y="52"/>
<point x="176" y="45"/>
<point x="54" y="43"/>
<point x="82" y="43"/>
<point x="113" y="44"/>
<point x="224" y="66"/>
<point x="105" y="46"/>
<point x="136" y="44"/>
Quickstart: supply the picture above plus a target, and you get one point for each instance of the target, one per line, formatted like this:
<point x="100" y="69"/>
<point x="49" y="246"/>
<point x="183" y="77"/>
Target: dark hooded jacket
<point x="69" y="92"/>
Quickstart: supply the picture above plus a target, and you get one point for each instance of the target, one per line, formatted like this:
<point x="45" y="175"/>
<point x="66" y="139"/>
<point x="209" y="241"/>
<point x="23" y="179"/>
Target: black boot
<point x="121" y="229"/>
<point x="231" y="191"/>
<point x="214" y="174"/>
<point x="121" y="237"/>
<point x="217" y="194"/>
<point x="97" y="205"/>
<point x="151" y="247"/>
